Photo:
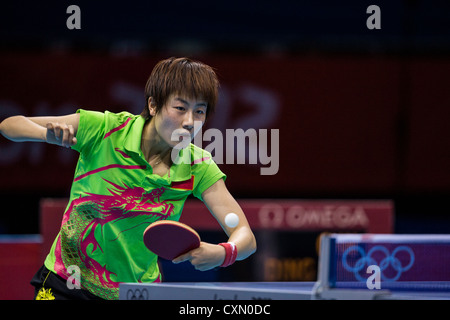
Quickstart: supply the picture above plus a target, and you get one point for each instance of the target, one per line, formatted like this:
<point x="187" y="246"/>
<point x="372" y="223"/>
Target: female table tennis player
<point x="126" y="178"/>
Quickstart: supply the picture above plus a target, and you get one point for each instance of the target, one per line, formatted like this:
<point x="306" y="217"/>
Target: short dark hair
<point x="183" y="76"/>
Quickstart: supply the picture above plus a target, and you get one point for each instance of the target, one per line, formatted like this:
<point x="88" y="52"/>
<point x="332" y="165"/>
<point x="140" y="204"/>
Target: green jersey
<point x="114" y="197"/>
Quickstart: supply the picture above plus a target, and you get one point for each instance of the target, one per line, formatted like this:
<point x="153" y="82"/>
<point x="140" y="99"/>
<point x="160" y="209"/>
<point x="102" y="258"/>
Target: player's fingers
<point x="57" y="129"/>
<point x="65" y="142"/>
<point x="203" y="267"/>
<point x="51" y="135"/>
<point x="72" y="139"/>
<point x="51" y="127"/>
<point x="182" y="258"/>
<point x="68" y="135"/>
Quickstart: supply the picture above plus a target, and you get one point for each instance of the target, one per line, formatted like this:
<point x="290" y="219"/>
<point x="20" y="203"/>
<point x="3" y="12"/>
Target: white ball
<point x="231" y="220"/>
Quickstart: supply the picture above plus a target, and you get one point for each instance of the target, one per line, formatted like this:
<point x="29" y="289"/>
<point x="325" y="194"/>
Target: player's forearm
<point x="20" y="128"/>
<point x="245" y="242"/>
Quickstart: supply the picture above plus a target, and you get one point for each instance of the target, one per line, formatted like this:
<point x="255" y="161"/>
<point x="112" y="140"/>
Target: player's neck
<point x="154" y="148"/>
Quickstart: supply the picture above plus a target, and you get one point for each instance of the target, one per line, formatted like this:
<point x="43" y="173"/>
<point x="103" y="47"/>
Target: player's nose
<point x="188" y="121"/>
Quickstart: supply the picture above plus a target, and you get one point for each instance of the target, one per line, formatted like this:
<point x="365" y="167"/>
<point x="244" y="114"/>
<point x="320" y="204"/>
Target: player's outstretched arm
<point x="54" y="130"/>
<point x="220" y="203"/>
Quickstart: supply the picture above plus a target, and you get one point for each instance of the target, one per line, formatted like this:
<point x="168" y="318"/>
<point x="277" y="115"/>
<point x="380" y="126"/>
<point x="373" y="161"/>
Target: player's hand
<point x="60" y="134"/>
<point x="206" y="257"/>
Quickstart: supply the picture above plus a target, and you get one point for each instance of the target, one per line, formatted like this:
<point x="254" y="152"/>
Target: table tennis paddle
<point x="170" y="239"/>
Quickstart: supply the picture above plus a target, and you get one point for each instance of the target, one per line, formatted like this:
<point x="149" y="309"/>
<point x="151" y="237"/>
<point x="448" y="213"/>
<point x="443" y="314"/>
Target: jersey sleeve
<point x="208" y="173"/>
<point x="91" y="129"/>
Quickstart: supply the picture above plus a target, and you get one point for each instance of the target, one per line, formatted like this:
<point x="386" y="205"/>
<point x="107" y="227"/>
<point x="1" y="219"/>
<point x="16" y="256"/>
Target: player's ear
<point x="151" y="106"/>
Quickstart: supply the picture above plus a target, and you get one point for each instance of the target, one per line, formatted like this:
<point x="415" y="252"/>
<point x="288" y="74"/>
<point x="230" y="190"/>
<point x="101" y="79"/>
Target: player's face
<point x="179" y="119"/>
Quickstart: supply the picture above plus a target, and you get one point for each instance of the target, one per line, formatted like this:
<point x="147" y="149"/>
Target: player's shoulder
<point x="118" y="117"/>
<point x="118" y="120"/>
<point x="199" y="155"/>
<point x="106" y="116"/>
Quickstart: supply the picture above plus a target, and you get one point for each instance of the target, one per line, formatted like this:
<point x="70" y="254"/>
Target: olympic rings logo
<point x="388" y="260"/>
<point x="137" y="294"/>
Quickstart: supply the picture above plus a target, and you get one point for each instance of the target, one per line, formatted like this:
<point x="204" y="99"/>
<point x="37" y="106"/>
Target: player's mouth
<point x="184" y="136"/>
